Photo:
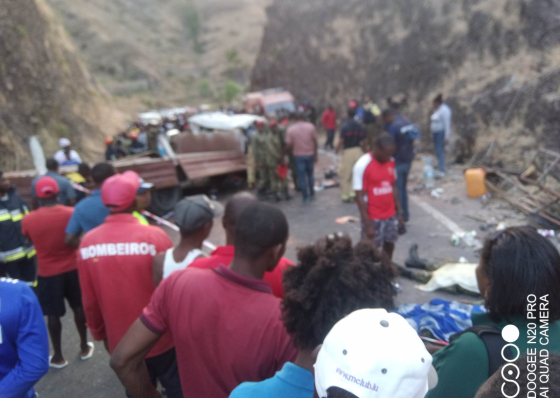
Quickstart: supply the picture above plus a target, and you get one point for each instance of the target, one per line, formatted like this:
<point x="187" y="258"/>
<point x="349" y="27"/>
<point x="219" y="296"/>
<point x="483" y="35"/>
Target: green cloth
<point x="462" y="366"/>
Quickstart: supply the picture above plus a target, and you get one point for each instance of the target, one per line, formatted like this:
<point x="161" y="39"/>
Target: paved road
<point x="94" y="378"/>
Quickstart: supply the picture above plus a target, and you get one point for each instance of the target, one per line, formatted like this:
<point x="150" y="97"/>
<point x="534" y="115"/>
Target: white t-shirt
<point x="62" y="160"/>
<point x="170" y="265"/>
<point x="441" y="120"/>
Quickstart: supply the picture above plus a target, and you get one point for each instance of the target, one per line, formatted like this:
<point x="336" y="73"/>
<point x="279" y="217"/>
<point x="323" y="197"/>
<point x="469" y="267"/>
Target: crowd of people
<point x="245" y="321"/>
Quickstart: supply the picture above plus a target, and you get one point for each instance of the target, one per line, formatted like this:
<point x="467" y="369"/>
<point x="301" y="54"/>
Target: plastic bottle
<point x="429" y="180"/>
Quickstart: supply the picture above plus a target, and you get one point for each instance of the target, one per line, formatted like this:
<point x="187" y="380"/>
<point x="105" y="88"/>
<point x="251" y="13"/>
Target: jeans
<point x="439" y="145"/>
<point x="305" y="166"/>
<point x="164" y="368"/>
<point x="330" y="139"/>
<point x="402" y="179"/>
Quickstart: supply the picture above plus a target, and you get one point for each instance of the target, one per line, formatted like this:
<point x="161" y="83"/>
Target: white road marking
<point x="442" y="218"/>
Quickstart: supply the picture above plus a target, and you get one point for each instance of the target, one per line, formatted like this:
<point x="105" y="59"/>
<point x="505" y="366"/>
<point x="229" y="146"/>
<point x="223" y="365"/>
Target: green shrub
<point x="231" y="91"/>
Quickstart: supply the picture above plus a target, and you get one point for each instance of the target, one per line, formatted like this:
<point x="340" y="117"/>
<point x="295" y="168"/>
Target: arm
<point x="74" y="230"/>
<point x="32" y="348"/>
<point x="72" y="240"/>
<point x="363" y="209"/>
<point x="315" y="145"/>
<point x="71" y="194"/>
<point x="397" y="204"/>
<point x="447" y="123"/>
<point x="128" y="360"/>
<point x="340" y="144"/>
<point x="77" y="157"/>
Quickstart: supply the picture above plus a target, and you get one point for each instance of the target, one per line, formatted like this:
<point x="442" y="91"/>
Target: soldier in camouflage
<point x="259" y="152"/>
<point x="275" y="146"/>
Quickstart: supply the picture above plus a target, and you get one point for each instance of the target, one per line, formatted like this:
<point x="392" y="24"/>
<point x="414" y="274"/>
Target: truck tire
<point x="164" y="200"/>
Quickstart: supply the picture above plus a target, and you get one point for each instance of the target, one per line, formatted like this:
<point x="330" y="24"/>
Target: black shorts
<point x="52" y="290"/>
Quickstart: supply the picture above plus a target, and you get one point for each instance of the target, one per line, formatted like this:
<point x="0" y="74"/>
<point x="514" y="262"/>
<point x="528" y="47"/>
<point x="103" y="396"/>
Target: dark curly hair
<point x="332" y="280"/>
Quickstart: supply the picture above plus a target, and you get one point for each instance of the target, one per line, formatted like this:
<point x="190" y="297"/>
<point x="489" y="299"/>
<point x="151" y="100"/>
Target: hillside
<point x="45" y="89"/>
<point x="157" y="53"/>
<point x="496" y="61"/>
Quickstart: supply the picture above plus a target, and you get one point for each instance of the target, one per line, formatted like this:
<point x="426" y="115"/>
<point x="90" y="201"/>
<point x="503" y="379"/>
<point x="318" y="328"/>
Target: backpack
<point x="494" y="343"/>
<point x="411" y="131"/>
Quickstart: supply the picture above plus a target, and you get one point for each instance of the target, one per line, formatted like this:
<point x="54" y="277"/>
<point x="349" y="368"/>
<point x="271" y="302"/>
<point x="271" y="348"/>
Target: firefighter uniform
<point x="17" y="254"/>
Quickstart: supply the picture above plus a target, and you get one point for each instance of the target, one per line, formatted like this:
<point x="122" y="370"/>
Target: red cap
<point x="108" y="141"/>
<point x="273" y="123"/>
<point x="353" y="104"/>
<point x="259" y="123"/>
<point x="46" y="187"/>
<point x="119" y="191"/>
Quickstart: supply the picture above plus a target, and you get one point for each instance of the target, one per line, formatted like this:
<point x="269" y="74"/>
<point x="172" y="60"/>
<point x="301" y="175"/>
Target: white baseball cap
<point x="64" y="142"/>
<point x="374" y="354"/>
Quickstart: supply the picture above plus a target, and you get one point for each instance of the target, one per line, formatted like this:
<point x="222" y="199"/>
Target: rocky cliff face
<point x="45" y="89"/>
<point x="496" y="61"/>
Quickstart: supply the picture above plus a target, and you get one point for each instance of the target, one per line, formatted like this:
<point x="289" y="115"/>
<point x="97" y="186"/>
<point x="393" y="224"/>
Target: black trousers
<point x="163" y="368"/>
<point x="24" y="270"/>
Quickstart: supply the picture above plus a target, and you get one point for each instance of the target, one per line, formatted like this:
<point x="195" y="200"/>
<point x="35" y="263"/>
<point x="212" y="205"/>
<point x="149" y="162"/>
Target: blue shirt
<point x="24" y="344"/>
<point x="64" y="186"/>
<point x="405" y="146"/>
<point x="88" y="214"/>
<point x="290" y="382"/>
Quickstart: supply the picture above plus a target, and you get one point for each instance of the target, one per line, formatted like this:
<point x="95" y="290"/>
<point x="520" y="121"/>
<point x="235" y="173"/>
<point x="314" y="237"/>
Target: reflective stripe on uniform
<point x="16" y="254"/>
<point x="14" y="215"/>
<point x="5" y="215"/>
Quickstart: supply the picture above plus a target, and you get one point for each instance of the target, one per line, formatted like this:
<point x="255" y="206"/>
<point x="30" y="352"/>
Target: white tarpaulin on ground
<point x="222" y="121"/>
<point x="451" y="275"/>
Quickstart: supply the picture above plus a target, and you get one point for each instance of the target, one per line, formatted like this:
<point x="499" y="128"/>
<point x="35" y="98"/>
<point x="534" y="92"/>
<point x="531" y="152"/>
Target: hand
<point x="400" y="218"/>
<point x="369" y="230"/>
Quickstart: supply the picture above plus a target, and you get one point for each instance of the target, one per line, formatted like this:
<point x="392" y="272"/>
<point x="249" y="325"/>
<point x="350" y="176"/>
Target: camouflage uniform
<point x="259" y="152"/>
<point x="274" y="148"/>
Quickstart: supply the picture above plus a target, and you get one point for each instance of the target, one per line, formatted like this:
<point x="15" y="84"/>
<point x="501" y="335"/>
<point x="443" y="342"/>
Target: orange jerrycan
<point x="475" y="182"/>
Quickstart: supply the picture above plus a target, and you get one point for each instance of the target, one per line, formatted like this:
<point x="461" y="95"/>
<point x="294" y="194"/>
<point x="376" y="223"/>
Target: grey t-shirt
<point x="64" y="186"/>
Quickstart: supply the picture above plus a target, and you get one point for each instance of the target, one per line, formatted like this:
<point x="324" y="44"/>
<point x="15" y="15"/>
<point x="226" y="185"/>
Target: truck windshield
<point x="287" y="106"/>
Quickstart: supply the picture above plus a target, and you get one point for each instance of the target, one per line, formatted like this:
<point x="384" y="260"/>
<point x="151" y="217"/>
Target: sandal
<point x="90" y="353"/>
<point x="57" y="365"/>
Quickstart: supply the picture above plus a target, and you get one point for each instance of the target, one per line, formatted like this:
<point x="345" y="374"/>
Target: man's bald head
<point x="234" y="208"/>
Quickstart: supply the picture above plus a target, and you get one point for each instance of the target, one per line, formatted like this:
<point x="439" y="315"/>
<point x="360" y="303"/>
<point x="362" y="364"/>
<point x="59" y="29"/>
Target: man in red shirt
<point x="225" y="322"/>
<point x="115" y="264"/>
<point x="224" y="255"/>
<point x="58" y="274"/>
<point x="329" y="123"/>
<point x="377" y="195"/>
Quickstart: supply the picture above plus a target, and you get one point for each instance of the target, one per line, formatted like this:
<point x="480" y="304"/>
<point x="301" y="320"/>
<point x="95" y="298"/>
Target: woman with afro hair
<point x="332" y="280"/>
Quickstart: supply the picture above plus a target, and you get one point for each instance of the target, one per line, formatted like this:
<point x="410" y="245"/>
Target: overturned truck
<point x="195" y="157"/>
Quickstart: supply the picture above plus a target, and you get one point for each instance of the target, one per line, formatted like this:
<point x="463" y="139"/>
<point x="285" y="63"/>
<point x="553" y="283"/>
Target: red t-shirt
<point x="115" y="266"/>
<point x="46" y="227"/>
<point x="329" y="119"/>
<point x="376" y="179"/>
<point x="223" y="255"/>
<point x="226" y="329"/>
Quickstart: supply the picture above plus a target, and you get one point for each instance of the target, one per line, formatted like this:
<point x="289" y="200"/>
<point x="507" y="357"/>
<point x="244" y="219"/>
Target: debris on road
<point x="347" y="220"/>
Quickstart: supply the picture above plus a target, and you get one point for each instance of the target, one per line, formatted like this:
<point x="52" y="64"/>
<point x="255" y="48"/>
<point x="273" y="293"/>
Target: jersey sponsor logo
<point x="118" y="249"/>
<point x="385" y="189"/>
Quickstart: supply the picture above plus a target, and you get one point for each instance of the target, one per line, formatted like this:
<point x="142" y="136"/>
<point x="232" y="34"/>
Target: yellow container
<point x="475" y="182"/>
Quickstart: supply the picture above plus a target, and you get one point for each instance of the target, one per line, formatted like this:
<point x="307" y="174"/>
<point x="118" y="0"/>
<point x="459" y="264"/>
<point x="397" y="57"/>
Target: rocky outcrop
<point x="496" y="61"/>
<point x="45" y="89"/>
